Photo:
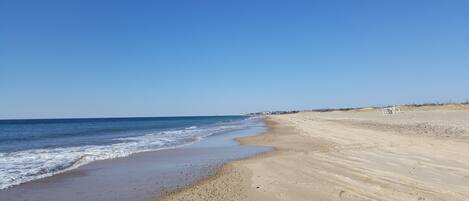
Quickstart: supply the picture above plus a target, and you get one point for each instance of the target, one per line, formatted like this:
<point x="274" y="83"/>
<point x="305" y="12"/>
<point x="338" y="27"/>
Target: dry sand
<point x="414" y="155"/>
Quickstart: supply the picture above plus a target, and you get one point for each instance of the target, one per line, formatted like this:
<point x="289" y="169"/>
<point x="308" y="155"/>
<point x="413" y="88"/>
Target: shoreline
<point x="227" y="175"/>
<point x="415" y="155"/>
<point x="140" y="176"/>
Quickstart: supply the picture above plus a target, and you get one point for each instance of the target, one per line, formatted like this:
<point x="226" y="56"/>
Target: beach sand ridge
<point x="414" y="155"/>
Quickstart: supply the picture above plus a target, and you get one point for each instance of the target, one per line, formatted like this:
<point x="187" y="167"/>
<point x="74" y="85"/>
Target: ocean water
<point x="33" y="149"/>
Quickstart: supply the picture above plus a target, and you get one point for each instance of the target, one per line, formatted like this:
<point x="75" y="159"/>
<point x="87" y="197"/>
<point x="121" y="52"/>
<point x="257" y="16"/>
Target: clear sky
<point x="91" y="58"/>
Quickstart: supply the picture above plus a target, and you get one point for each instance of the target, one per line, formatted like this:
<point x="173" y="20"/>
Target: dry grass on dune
<point x="436" y="107"/>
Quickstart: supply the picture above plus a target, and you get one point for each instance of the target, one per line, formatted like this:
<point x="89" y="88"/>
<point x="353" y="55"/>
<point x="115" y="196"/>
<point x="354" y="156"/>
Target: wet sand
<point x="139" y="177"/>
<point x="414" y="155"/>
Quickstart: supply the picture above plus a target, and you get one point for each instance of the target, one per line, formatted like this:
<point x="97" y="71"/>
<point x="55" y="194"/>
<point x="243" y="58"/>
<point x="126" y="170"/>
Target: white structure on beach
<point x="392" y="110"/>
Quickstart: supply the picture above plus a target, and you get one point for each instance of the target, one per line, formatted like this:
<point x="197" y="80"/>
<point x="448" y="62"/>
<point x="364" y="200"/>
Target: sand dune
<point x="414" y="155"/>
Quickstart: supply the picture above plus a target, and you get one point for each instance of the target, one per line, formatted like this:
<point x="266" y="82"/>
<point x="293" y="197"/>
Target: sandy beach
<point x="234" y="100"/>
<point x="418" y="154"/>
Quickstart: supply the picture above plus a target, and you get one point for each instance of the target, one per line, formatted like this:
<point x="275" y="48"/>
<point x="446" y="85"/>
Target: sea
<point x="38" y="148"/>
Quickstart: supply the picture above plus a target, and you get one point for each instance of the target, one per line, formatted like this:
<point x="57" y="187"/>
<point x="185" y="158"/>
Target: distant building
<point x="391" y="110"/>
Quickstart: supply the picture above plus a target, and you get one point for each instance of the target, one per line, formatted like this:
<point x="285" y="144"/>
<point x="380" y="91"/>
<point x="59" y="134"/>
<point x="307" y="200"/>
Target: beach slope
<point x="413" y="155"/>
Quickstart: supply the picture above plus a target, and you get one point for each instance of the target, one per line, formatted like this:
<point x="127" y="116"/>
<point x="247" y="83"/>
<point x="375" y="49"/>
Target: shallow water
<point x="34" y="149"/>
<point x="141" y="176"/>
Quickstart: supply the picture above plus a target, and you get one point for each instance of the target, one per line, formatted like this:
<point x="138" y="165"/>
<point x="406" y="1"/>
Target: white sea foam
<point x="27" y="165"/>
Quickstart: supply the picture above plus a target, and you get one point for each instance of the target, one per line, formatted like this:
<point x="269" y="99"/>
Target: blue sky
<point x="163" y="58"/>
